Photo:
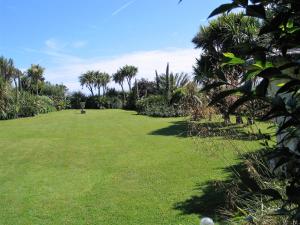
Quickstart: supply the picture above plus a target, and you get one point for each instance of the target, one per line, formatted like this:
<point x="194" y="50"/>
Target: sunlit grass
<point x="107" y="167"/>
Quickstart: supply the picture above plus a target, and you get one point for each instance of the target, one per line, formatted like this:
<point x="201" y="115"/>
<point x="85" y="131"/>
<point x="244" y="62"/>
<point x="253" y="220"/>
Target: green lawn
<point x="107" y="167"/>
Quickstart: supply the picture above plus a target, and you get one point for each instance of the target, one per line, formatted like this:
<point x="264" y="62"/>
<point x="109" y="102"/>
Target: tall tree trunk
<point x="19" y="84"/>
<point x="157" y="81"/>
<point x="17" y="91"/>
<point x="124" y="97"/>
<point x="137" y="90"/>
<point x="129" y="84"/>
<point x="91" y="90"/>
<point x="105" y="89"/>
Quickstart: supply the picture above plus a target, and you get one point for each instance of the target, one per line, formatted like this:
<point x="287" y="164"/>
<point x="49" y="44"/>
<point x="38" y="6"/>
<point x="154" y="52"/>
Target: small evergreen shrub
<point x="157" y="106"/>
<point x="31" y="105"/>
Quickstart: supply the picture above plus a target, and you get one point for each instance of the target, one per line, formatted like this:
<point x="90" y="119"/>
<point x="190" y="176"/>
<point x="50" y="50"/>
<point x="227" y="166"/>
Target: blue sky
<point x="68" y="37"/>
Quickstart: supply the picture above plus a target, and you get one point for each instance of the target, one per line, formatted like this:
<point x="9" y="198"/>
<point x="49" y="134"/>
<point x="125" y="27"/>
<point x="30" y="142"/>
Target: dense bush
<point x="57" y="93"/>
<point x="27" y="105"/>
<point x="114" y="103"/>
<point x="44" y="104"/>
<point x="131" y="101"/>
<point x="6" y="101"/>
<point x="111" y="101"/>
<point x="157" y="105"/>
<point x="31" y="105"/>
<point x="178" y="96"/>
<point x="93" y="102"/>
<point x="75" y="98"/>
<point x="60" y="102"/>
<point x="23" y="105"/>
<point x="103" y="102"/>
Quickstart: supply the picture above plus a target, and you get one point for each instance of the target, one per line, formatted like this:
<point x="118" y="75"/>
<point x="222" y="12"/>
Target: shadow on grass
<point x="217" y="197"/>
<point x="207" y="203"/>
<point x="178" y="129"/>
<point x="232" y="131"/>
<point x="208" y="130"/>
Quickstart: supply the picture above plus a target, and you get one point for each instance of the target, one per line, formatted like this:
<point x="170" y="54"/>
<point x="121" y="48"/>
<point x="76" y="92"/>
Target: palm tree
<point x="101" y="80"/>
<point x="119" y="78"/>
<point x="17" y="75"/>
<point x="227" y="33"/>
<point x="105" y="82"/>
<point x="88" y="79"/>
<point x="98" y="81"/>
<point x="129" y="72"/>
<point x="35" y="73"/>
<point x="6" y="68"/>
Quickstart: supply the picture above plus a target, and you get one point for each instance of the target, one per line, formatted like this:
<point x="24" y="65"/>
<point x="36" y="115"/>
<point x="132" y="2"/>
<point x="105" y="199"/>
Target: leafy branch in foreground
<point x="272" y="68"/>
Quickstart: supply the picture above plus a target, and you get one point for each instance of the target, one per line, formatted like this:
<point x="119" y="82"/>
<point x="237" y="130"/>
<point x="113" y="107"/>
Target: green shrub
<point x="31" y="105"/>
<point x="157" y="105"/>
<point x="114" y="102"/>
<point x="178" y="96"/>
<point x="110" y="101"/>
<point x="27" y="105"/>
<point x="45" y="104"/>
<point x="60" y="102"/>
<point x="75" y="98"/>
<point x="104" y="102"/>
<point x="8" y="109"/>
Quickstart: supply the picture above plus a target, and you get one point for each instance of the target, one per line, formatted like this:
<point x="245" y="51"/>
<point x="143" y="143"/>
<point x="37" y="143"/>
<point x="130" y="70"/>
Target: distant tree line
<point x="27" y="93"/>
<point x="161" y="97"/>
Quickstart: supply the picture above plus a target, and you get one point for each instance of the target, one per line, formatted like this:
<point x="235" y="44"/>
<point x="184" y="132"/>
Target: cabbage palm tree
<point x="16" y="77"/>
<point x="98" y="81"/>
<point x="101" y="80"/>
<point x="35" y="73"/>
<point x="88" y="80"/>
<point x="105" y="82"/>
<point x="119" y="78"/>
<point x="129" y="72"/>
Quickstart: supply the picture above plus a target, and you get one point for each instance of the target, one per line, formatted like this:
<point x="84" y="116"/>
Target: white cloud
<point x="69" y="68"/>
<point x="53" y="44"/>
<point x="78" y="44"/>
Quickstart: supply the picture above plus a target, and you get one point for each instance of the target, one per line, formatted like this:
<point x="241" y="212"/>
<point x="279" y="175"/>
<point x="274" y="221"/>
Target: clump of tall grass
<point x="252" y="194"/>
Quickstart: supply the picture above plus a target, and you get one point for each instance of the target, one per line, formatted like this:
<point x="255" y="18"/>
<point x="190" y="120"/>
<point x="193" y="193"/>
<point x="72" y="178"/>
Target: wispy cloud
<point x="79" y="44"/>
<point x="67" y="70"/>
<point x="123" y="7"/>
<point x="55" y="51"/>
<point x="59" y="46"/>
<point x="65" y="67"/>
<point x="53" y="44"/>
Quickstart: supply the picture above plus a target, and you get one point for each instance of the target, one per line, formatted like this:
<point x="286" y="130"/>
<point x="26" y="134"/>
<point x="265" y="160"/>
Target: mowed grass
<point x="109" y="167"/>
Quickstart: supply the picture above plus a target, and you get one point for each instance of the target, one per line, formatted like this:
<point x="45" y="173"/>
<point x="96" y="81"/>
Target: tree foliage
<point x="270" y="72"/>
